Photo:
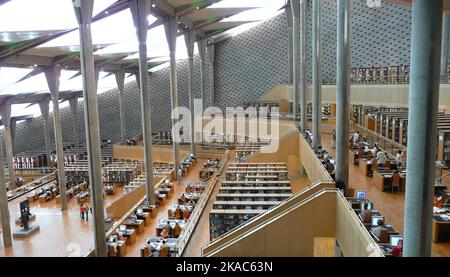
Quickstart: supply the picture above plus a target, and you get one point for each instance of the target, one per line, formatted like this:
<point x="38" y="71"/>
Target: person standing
<point x="180" y="176"/>
<point x="82" y="209"/>
<point x="86" y="212"/>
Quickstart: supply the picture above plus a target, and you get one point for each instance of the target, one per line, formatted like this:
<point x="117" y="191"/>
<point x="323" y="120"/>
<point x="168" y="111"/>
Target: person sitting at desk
<point x="168" y="229"/>
<point x="119" y="235"/>
<point x="374" y="151"/>
<point x="378" y="229"/>
<point x="397" y="251"/>
<point x="164" y="249"/>
<point x="186" y="214"/>
<point x="366" y="216"/>
<point x="176" y="230"/>
<point x="381" y="159"/>
<point x="355" y="137"/>
<point x="399" y="158"/>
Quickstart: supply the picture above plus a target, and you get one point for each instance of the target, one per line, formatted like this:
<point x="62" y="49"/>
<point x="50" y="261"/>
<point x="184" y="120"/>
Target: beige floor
<point x="391" y="205"/>
<point x="60" y="234"/>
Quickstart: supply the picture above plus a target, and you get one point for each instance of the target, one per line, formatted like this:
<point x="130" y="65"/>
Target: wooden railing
<point x="185" y="235"/>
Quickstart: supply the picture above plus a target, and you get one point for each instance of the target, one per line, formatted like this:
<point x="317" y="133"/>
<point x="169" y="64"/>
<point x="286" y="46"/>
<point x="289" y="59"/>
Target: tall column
<point x="140" y="9"/>
<point x="201" y="44"/>
<point x="73" y="102"/>
<point x="422" y="126"/>
<point x="211" y="50"/>
<point x="171" y="28"/>
<point x="343" y="90"/>
<point x="6" y="228"/>
<point x="138" y="80"/>
<point x="295" y="7"/>
<point x="13" y="134"/>
<point x="290" y="44"/>
<point x="303" y="86"/>
<point x="444" y="48"/>
<point x="83" y="12"/>
<point x="120" y="80"/>
<point x="317" y="76"/>
<point x="190" y="41"/>
<point x="43" y="105"/>
<point x="5" y="111"/>
<point x="52" y="75"/>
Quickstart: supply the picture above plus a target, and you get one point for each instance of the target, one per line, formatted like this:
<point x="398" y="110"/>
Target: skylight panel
<point x="33" y="84"/>
<point x="10" y="75"/>
<point x="26" y="15"/>
<point x="113" y="29"/>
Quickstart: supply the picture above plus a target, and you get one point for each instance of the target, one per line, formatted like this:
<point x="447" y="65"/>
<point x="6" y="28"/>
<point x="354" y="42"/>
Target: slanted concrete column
<point x="83" y="12"/>
<point x="6" y="228"/>
<point x="120" y="79"/>
<point x="52" y="75"/>
<point x="295" y="10"/>
<point x="140" y="9"/>
<point x="73" y="102"/>
<point x="201" y="44"/>
<point x="343" y="90"/>
<point x="5" y="112"/>
<point x="444" y="47"/>
<point x="290" y="44"/>
<point x="171" y="27"/>
<point x="211" y="55"/>
<point x="13" y="134"/>
<point x="316" y="74"/>
<point x="303" y="83"/>
<point x="422" y="126"/>
<point x="43" y="105"/>
<point x="190" y="41"/>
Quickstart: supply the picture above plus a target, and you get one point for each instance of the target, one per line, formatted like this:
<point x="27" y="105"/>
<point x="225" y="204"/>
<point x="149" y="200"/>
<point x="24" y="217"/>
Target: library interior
<point x="224" y="128"/>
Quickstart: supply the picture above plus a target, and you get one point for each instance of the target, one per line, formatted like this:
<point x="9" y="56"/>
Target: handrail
<point x="264" y="219"/>
<point x="130" y="211"/>
<point x="186" y="233"/>
<point x="36" y="187"/>
<point x="256" y="220"/>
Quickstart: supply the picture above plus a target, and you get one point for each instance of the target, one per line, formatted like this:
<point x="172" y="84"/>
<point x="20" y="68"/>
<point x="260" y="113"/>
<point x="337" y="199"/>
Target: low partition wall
<point x="160" y="153"/>
<point x="256" y="221"/>
<point x="122" y="205"/>
<point x="296" y="224"/>
<point x="353" y="238"/>
<point x="313" y="167"/>
<point x="387" y="95"/>
<point x="287" y="145"/>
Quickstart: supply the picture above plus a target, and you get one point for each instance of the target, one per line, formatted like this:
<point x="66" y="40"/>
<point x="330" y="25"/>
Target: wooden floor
<point x="60" y="234"/>
<point x="391" y="205"/>
<point x="200" y="236"/>
<point x="162" y="211"/>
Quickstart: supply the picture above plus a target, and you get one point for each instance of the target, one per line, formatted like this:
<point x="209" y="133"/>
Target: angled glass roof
<point x="22" y="20"/>
<point x="26" y="15"/>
